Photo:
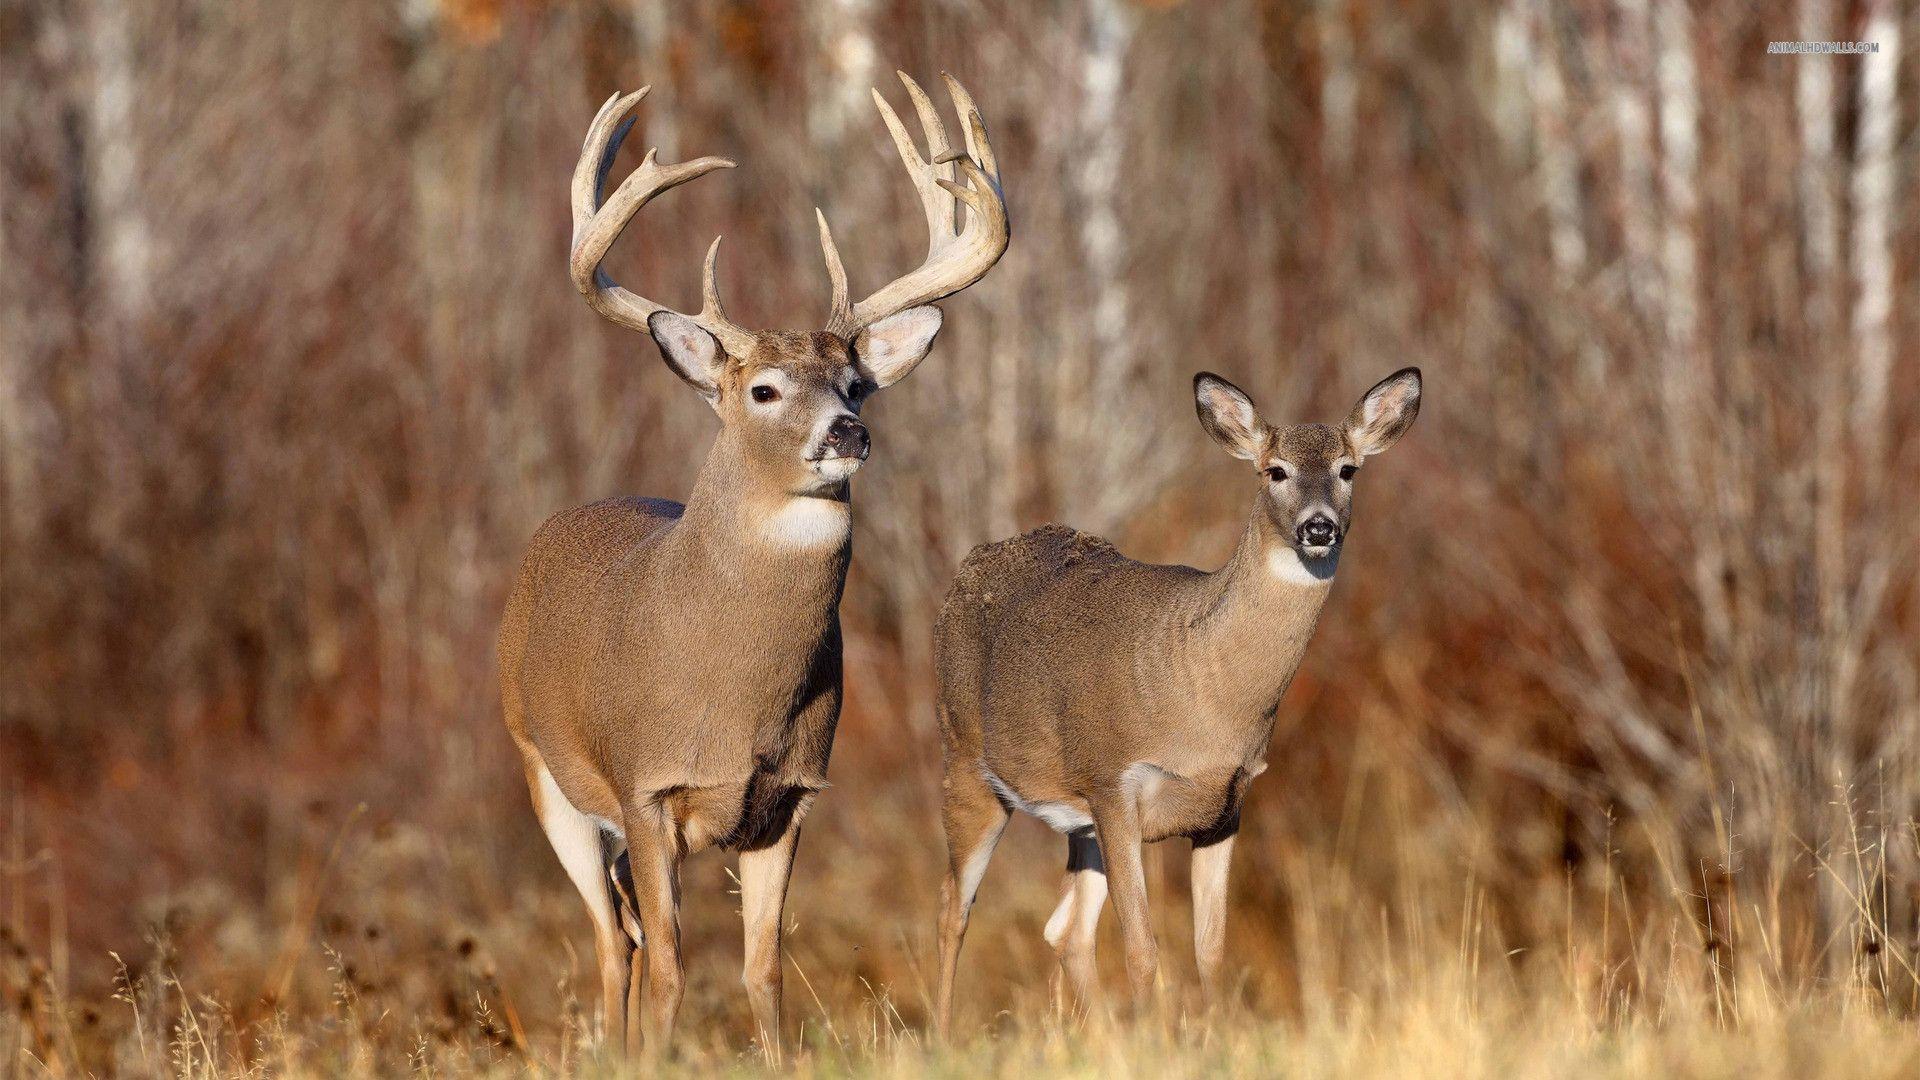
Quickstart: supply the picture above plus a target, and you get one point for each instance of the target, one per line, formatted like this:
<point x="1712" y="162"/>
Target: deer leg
<point x="974" y="819"/>
<point x="1117" y="821"/>
<point x="636" y="1011"/>
<point x="620" y="876"/>
<point x="1211" y="855"/>
<point x="576" y="838"/>
<point x="1072" y="929"/>
<point x="764" y="873"/>
<point x="653" y="850"/>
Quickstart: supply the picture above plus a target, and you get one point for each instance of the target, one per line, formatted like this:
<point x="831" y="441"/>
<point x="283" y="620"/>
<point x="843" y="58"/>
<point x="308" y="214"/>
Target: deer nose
<point x="1318" y="531"/>
<point x="847" y="437"/>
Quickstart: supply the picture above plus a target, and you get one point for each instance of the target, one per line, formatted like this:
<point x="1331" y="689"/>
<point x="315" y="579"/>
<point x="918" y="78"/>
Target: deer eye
<point x="858" y="390"/>
<point x="765" y="394"/>
<point x="1277" y="474"/>
<point x="1347" y="471"/>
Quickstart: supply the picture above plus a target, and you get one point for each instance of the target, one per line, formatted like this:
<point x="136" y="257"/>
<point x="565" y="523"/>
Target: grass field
<point x="405" y="943"/>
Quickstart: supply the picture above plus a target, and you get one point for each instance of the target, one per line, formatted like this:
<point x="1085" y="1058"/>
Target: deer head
<point x="789" y="402"/>
<point x="1309" y="468"/>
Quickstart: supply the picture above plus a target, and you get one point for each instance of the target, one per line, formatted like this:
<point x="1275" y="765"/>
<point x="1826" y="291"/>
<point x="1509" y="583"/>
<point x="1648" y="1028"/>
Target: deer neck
<point x="1256" y="615"/>
<point x="756" y="527"/>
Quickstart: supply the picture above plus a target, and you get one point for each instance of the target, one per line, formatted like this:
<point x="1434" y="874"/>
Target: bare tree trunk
<point x="1814" y="103"/>
<point x="19" y="420"/>
<point x="1820" y="241"/>
<point x="1102" y="239"/>
<point x="1813" y="99"/>
<point x="845" y="31"/>
<point x="119" y="246"/>
<point x="1091" y="483"/>
<point x="1633" y="123"/>
<point x="1008" y="440"/>
<point x="36" y="317"/>
<point x="125" y="240"/>
<point x="1873" y="193"/>
<point x="653" y="24"/>
<point x="1687" y="383"/>
<point x="1339" y="86"/>
<point x="1872" y="548"/>
<point x="1685" y="371"/>
<point x="1512" y="56"/>
<point x="1559" y="157"/>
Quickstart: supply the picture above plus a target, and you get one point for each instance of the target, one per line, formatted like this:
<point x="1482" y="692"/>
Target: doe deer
<point x="1122" y="702"/>
<point x="671" y="673"/>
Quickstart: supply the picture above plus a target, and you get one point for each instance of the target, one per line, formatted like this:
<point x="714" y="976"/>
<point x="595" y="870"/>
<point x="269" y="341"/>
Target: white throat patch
<point x="835" y="469"/>
<point x="1285" y="563"/>
<point x="809" y="523"/>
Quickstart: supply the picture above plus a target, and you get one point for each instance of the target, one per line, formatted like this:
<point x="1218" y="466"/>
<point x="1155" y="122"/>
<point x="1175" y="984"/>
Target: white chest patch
<point x="809" y="523"/>
<point x="1286" y="564"/>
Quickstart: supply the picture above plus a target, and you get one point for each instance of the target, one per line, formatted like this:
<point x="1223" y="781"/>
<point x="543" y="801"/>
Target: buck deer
<point x="672" y="673"/>
<point x="1122" y="702"/>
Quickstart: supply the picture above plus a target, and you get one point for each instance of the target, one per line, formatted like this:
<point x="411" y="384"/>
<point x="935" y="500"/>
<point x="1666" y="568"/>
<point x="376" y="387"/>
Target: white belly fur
<point x="1060" y="817"/>
<point x="1141" y="778"/>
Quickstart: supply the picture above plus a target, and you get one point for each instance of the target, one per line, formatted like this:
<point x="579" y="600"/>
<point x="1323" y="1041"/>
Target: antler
<point x="596" y="225"/>
<point x="954" y="261"/>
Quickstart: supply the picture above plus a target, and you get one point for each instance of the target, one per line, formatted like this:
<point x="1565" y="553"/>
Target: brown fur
<point x="681" y="592"/>
<point x="676" y="669"/>
<point x="1137" y="699"/>
<point x="671" y="674"/>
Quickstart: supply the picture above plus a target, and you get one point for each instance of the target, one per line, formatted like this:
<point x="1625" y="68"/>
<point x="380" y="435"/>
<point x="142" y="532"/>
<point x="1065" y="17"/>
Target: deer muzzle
<point x="847" y="438"/>
<point x="1318" y="533"/>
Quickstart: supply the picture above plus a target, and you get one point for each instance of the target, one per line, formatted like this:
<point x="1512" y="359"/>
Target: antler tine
<point x="604" y="137"/>
<point x="938" y="208"/>
<point x="972" y="127"/>
<point x="972" y="195"/>
<point x="930" y="122"/>
<point x="597" y="223"/>
<point x="709" y="289"/>
<point x="940" y="153"/>
<point x="839" y="308"/>
<point x="956" y="257"/>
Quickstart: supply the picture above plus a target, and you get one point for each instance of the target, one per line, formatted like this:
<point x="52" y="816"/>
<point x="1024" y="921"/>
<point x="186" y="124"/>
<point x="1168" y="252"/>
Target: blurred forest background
<point x="1619" y="690"/>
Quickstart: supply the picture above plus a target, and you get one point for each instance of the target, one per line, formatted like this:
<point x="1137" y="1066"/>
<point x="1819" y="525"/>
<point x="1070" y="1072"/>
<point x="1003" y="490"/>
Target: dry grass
<point x="397" y="945"/>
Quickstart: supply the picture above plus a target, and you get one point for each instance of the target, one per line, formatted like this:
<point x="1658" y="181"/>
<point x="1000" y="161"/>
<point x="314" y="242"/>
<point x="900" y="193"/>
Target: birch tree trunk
<point x="1633" y="124"/>
<point x="118" y="251"/>
<point x="1559" y="158"/>
<point x="1874" y="546"/>
<point x="1820" y="242"/>
<point x="845" y="32"/>
<point x="1091" y="472"/>
<point x="1339" y="86"/>
<point x="125" y="240"/>
<point x="1872" y="228"/>
<point x="1686" y="375"/>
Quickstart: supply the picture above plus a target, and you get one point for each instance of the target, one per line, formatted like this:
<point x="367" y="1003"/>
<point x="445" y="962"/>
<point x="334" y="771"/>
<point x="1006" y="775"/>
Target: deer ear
<point x="1385" y="413"/>
<point x="1228" y="415"/>
<point x="691" y="352"/>
<point x="890" y="348"/>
